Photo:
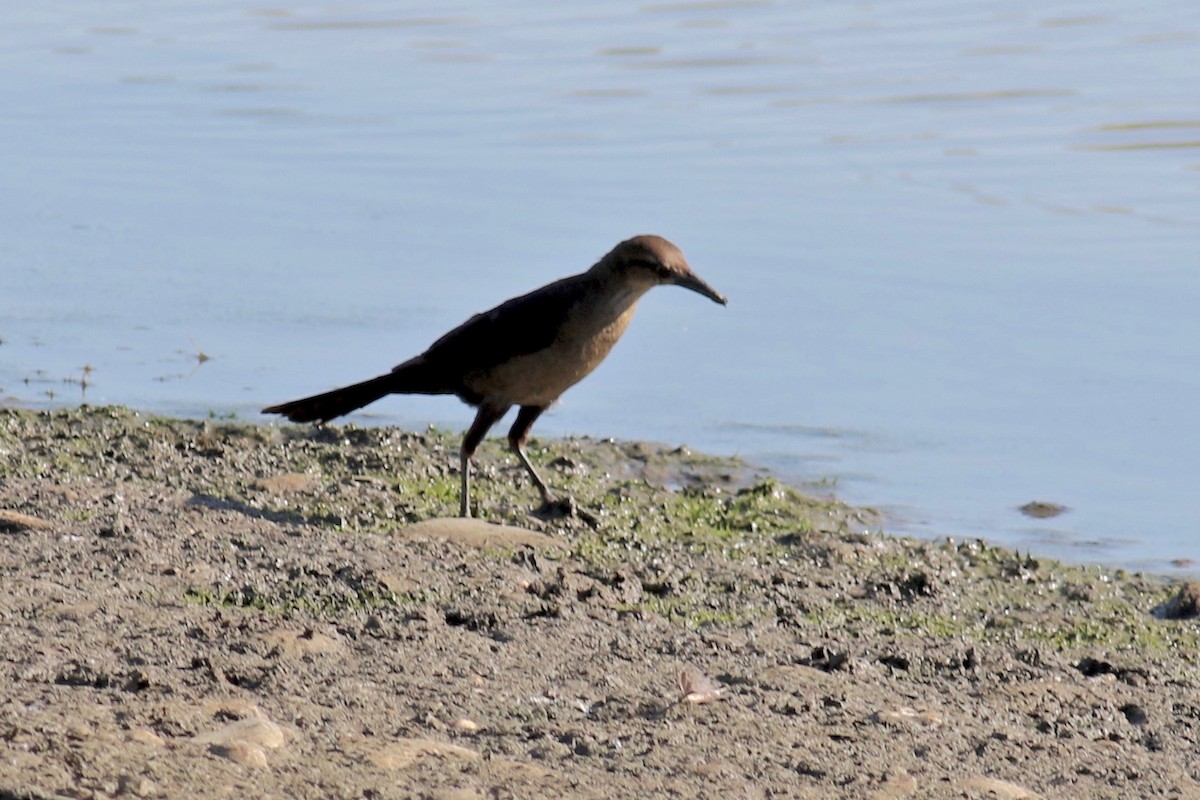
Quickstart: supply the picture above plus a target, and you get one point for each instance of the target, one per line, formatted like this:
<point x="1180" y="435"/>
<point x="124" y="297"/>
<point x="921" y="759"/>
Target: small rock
<point x="905" y="716"/>
<point x="245" y="741"/>
<point x="1135" y="714"/>
<point x="898" y="783"/>
<point x="1040" y="509"/>
<point x="831" y="660"/>
<point x="285" y="483"/>
<point x="697" y="688"/>
<point x="145" y="736"/>
<point x="398" y="582"/>
<point x="1186" y="604"/>
<point x="232" y="707"/>
<point x="79" y="673"/>
<point x="136" y="785"/>
<point x="296" y="643"/>
<point x="16" y="522"/>
<point x="79" y="731"/>
<point x="254" y="730"/>
<point x="458" y="794"/>
<point x="993" y="787"/>
<point x="118" y="527"/>
<point x="248" y="754"/>
<point x="74" y="612"/>
<point x="478" y="533"/>
<point x="403" y="753"/>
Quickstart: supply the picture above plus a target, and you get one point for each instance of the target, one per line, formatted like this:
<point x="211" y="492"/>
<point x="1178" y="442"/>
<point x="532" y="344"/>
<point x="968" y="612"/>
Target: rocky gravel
<point x="215" y="609"/>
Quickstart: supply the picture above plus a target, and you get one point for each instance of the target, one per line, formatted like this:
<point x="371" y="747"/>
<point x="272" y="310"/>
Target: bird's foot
<point x="562" y="508"/>
<point x="557" y="508"/>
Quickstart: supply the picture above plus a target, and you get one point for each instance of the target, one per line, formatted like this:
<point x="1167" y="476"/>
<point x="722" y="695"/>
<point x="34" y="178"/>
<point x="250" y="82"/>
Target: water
<point x="959" y="239"/>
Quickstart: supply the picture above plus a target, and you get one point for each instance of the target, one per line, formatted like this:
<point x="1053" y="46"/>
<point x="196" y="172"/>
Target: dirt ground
<point x="212" y="609"/>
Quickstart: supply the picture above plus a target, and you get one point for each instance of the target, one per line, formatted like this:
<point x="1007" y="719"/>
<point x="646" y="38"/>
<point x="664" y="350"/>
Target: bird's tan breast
<point x="581" y="343"/>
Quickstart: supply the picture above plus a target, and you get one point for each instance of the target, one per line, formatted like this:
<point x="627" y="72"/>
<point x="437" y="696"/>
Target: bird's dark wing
<point x="516" y="327"/>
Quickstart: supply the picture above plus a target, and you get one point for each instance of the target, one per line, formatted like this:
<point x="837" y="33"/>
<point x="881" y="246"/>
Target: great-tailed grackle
<point x="524" y="352"/>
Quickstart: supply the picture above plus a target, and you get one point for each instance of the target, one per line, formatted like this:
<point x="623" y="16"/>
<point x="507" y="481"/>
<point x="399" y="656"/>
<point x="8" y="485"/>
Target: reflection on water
<point x="366" y="24"/>
<point x="1150" y="135"/>
<point x="959" y="240"/>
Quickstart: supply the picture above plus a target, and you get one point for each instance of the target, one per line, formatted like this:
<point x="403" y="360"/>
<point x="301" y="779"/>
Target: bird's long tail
<point x="335" y="403"/>
<point x="408" y="378"/>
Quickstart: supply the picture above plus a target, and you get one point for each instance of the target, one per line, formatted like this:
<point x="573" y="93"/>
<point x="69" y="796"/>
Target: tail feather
<point x="414" y="376"/>
<point x="324" y="407"/>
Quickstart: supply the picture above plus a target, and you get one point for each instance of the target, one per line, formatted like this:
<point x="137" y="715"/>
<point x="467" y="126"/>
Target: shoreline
<point x="895" y="521"/>
<point x="199" y="605"/>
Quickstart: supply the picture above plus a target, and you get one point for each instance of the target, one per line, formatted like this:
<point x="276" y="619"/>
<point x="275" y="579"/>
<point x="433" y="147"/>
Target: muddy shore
<point x="217" y="609"/>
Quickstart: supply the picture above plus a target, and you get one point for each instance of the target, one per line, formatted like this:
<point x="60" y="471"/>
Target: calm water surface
<point x="961" y="241"/>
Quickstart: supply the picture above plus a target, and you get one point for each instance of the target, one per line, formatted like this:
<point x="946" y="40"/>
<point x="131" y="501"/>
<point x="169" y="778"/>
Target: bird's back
<point x="530" y="349"/>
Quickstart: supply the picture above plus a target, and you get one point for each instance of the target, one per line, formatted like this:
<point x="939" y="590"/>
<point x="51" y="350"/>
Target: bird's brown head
<point x="650" y="260"/>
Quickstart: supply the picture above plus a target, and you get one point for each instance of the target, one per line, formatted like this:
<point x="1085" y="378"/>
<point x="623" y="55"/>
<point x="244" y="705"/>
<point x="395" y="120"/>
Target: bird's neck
<point x="617" y="296"/>
<point x="625" y="286"/>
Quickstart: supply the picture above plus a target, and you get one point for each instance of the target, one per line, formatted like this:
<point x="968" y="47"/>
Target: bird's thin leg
<point x="485" y="418"/>
<point x="516" y="440"/>
<point x="464" y="495"/>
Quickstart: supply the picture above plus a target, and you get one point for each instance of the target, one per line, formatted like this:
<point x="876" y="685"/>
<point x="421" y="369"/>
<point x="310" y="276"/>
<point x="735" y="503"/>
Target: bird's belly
<point x="538" y="378"/>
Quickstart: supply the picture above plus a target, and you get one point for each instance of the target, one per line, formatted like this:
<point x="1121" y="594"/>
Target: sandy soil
<point x="205" y="609"/>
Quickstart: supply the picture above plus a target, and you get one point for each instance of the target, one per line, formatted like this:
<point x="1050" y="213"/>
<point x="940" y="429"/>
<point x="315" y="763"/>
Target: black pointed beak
<point x="691" y="280"/>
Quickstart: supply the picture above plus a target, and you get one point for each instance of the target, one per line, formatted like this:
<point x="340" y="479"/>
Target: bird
<point x="525" y="352"/>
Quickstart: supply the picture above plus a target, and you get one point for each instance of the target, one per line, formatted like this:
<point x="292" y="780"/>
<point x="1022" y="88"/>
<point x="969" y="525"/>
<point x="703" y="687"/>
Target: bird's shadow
<point x="280" y="517"/>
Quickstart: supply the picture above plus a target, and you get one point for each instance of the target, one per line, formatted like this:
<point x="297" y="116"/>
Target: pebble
<point x="145" y="736"/>
<point x="136" y="785"/>
<point x="478" y="533"/>
<point x="1186" y="604"/>
<point x="254" y="730"/>
<point x="286" y="483"/>
<point x="905" y="716"/>
<point x="899" y="783"/>
<point x="994" y="787"/>
<point x="297" y="643"/>
<point x="248" y="754"/>
<point x="403" y="753"/>
<point x="15" y="522"/>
